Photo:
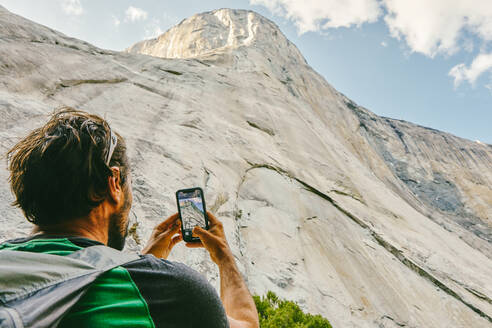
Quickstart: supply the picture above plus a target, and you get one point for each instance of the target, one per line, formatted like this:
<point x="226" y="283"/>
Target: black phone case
<point x="185" y="238"/>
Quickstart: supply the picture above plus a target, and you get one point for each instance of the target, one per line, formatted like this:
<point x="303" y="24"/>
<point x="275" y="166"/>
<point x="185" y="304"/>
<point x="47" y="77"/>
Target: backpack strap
<point x="37" y="289"/>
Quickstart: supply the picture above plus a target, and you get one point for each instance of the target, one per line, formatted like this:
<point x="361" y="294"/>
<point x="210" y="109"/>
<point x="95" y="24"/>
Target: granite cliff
<point x="369" y="221"/>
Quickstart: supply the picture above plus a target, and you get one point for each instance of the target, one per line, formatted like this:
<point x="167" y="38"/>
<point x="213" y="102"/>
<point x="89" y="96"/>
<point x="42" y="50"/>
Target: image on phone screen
<point x="192" y="211"/>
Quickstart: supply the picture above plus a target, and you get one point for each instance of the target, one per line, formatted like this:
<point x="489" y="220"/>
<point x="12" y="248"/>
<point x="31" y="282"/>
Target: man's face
<point x="118" y="223"/>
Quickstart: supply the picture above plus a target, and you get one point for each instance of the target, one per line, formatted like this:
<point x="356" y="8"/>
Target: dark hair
<point x="58" y="172"/>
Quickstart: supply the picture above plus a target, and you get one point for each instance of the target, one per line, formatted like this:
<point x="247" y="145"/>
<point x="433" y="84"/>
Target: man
<point x="71" y="179"/>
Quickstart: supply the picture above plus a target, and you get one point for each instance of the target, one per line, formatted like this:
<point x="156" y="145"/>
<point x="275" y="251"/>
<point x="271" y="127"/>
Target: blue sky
<point x="424" y="61"/>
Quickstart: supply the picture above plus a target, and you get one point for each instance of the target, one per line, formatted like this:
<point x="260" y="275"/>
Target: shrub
<point x="277" y="313"/>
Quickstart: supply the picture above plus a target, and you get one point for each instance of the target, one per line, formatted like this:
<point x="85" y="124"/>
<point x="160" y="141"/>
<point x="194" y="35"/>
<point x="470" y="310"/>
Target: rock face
<point x="370" y="221"/>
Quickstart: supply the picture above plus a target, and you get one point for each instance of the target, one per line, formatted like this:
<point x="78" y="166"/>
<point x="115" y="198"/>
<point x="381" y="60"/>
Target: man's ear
<point x="114" y="185"/>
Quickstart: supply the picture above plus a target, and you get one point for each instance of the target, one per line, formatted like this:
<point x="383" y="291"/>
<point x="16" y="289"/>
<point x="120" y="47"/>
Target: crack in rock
<point x="398" y="323"/>
<point x="167" y="95"/>
<point x="75" y="82"/>
<point x="261" y="128"/>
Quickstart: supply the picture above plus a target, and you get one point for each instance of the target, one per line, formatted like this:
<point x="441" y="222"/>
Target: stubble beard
<point x="118" y="225"/>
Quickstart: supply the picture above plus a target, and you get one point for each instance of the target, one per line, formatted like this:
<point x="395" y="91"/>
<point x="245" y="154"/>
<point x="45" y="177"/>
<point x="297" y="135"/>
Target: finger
<point x="170" y="231"/>
<point x="212" y="218"/>
<point x="202" y="233"/>
<point x="175" y="240"/>
<point x="169" y="221"/>
<point x="174" y="229"/>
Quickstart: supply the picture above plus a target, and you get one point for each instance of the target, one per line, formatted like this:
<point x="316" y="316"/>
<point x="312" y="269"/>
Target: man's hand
<point x="238" y="303"/>
<point x="164" y="237"/>
<point x="213" y="239"/>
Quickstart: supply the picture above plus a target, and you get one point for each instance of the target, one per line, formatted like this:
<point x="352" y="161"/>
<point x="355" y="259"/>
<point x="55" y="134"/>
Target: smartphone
<point x="192" y="212"/>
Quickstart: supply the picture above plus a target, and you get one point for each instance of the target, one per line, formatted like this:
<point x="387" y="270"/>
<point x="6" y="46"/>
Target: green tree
<point x="277" y="313"/>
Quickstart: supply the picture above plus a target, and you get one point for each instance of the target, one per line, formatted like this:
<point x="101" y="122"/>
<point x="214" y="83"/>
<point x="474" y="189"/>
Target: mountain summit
<point x="221" y="31"/>
<point x="367" y="220"/>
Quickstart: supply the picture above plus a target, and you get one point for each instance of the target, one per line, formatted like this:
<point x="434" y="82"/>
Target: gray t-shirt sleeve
<point x="205" y="307"/>
<point x="177" y="295"/>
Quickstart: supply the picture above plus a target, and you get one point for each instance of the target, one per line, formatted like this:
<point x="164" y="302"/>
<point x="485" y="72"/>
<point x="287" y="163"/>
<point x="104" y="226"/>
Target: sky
<point x="424" y="61"/>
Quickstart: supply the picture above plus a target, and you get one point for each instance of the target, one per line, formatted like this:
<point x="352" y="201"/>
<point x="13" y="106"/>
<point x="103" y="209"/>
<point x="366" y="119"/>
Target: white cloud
<point x="153" y="29"/>
<point x="72" y="7"/>
<point x="317" y="15"/>
<point x="133" y="14"/>
<point x="437" y="26"/>
<point x="429" y="27"/>
<point x="115" y="20"/>
<point x="480" y="65"/>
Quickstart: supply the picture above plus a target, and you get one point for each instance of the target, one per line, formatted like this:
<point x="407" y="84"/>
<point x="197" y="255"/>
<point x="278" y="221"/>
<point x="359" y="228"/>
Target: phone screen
<point x="192" y="211"/>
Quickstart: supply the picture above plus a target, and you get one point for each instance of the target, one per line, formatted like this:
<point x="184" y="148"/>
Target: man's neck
<point x="92" y="227"/>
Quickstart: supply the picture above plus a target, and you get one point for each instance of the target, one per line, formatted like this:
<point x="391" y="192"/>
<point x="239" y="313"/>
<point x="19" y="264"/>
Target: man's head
<point x="59" y="173"/>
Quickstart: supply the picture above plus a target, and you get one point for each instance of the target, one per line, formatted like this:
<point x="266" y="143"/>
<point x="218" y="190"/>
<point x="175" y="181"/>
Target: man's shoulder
<point x="149" y="268"/>
<point x="152" y="263"/>
<point x="188" y="297"/>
